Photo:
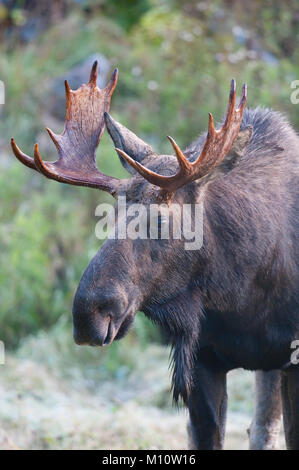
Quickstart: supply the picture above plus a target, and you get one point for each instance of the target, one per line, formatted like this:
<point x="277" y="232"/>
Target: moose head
<point x="152" y="275"/>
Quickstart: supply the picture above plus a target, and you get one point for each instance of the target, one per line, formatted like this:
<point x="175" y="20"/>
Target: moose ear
<point x="237" y="149"/>
<point x="241" y="142"/>
<point x="127" y="141"/>
<point x="233" y="156"/>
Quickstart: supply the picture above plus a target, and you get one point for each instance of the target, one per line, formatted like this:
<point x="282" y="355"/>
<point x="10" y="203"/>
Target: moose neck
<point x="180" y="320"/>
<point x="182" y="316"/>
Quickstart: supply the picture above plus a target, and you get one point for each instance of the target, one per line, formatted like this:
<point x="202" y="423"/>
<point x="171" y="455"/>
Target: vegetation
<point x="175" y="61"/>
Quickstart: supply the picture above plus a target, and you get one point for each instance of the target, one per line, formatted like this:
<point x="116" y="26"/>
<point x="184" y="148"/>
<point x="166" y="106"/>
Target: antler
<point x="77" y="144"/>
<point x="217" y="145"/>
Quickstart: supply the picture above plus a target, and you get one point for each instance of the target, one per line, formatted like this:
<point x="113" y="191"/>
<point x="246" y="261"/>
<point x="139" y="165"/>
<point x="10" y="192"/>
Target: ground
<point x="54" y="398"/>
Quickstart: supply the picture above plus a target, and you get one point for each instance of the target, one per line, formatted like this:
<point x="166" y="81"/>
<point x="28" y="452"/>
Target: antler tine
<point x="231" y="104"/>
<point x="21" y="156"/>
<point x="149" y="175"/>
<point x="169" y="183"/>
<point x="211" y="128"/>
<point x="112" y="82"/>
<point x="94" y="74"/>
<point x="68" y="97"/>
<point x="39" y="161"/>
<point x="54" y="137"/>
<point x="76" y="146"/>
<point x="183" y="161"/>
<point x="243" y="99"/>
<point x="217" y="145"/>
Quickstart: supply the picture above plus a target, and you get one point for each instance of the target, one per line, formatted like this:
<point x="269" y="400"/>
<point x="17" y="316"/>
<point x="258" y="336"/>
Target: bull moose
<point x="233" y="303"/>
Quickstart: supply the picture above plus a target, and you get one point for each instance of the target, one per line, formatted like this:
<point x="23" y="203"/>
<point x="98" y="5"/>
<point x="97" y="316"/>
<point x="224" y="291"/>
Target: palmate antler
<point x="86" y="109"/>
<point x="77" y="144"/>
<point x="217" y="146"/>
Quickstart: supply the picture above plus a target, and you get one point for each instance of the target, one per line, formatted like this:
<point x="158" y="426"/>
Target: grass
<point x="56" y="395"/>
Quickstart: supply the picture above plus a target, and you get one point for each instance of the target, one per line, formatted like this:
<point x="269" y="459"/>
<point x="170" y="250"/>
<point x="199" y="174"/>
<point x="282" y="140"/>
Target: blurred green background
<point x="176" y="60"/>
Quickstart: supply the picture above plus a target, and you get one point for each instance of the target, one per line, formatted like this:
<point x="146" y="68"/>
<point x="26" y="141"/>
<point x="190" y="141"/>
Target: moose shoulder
<point x="233" y="302"/>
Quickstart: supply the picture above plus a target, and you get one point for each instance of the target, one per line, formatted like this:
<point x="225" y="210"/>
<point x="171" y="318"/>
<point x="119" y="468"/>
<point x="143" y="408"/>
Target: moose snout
<point x="98" y="316"/>
<point x="100" y="332"/>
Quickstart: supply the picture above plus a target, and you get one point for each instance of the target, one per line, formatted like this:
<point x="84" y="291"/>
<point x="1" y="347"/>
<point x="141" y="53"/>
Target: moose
<point x="233" y="303"/>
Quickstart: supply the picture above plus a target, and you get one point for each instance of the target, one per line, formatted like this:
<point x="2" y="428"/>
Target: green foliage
<point x="126" y="12"/>
<point x="176" y="59"/>
<point x="41" y="253"/>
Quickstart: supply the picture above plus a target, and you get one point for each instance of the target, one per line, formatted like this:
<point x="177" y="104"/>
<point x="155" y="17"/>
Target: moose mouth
<point x="114" y="333"/>
<point x="110" y="334"/>
<point x="124" y="327"/>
